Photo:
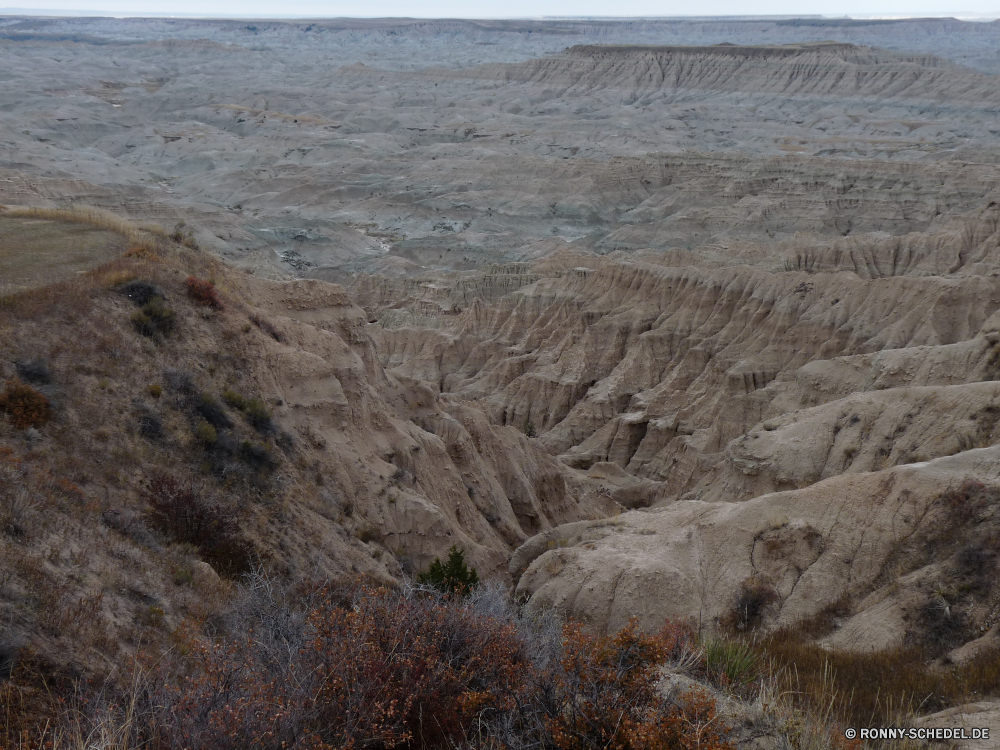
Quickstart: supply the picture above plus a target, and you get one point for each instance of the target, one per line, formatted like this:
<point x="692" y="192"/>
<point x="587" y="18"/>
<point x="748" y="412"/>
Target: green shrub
<point x="155" y="390"/>
<point x="154" y="319"/>
<point x="234" y="399"/>
<point x="205" y="433"/>
<point x="213" y="412"/>
<point x="453" y="576"/>
<point x="254" y="409"/>
<point x="257" y="456"/>
<point x="258" y="415"/>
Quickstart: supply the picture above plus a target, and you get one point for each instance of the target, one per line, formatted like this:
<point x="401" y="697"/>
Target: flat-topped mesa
<point x="725" y="49"/>
<point x="825" y="69"/>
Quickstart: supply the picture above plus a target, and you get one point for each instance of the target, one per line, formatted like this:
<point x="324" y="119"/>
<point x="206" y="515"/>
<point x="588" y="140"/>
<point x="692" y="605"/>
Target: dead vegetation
<point x="96" y="461"/>
<point x="315" y="667"/>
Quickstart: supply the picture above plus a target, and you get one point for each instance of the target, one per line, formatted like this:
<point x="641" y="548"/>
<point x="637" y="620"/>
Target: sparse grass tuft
<point x="731" y="664"/>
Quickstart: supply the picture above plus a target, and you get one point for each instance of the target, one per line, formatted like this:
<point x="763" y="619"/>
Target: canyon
<point x="642" y="315"/>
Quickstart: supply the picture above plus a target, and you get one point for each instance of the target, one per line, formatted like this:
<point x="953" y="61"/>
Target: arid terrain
<point x="653" y="319"/>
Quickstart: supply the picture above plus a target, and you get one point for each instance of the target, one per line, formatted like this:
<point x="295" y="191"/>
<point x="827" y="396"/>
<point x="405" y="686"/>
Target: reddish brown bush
<point x="412" y="672"/>
<point x="203" y="292"/>
<point x="180" y="512"/>
<point x="379" y="669"/>
<point x="604" y="695"/>
<point x="25" y="406"/>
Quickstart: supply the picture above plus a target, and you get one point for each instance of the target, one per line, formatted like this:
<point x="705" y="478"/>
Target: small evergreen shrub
<point x="35" y="371"/>
<point x="155" y="390"/>
<point x="141" y="292"/>
<point x="452" y="576"/>
<point x="25" y="406"/>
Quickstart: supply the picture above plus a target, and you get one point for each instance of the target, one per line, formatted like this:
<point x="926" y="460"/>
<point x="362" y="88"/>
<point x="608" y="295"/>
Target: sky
<point x="520" y="8"/>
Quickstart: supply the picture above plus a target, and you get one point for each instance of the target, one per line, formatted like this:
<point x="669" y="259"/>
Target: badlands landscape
<point x="651" y="319"/>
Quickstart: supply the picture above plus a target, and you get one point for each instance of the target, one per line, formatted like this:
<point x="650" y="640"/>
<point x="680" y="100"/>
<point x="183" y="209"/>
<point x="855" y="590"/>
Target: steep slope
<point x="187" y="440"/>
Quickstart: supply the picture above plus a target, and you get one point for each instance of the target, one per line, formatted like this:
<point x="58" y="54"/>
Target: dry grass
<point x="137" y="234"/>
<point x="83" y="571"/>
<point x="884" y="688"/>
<point x="34" y="252"/>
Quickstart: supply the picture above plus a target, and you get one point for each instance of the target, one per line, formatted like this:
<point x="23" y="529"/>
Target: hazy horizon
<point x="515" y="9"/>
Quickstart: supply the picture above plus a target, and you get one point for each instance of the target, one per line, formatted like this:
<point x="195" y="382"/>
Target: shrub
<point x="184" y="236"/>
<point x="141" y="292"/>
<point x="453" y="576"/>
<point x="603" y="695"/>
<point x="267" y="327"/>
<point x="25" y="406"/>
<point x="180" y="512"/>
<point x="257" y="456"/>
<point x="529" y="430"/>
<point x="213" y="412"/>
<point x="154" y="319"/>
<point x="155" y="390"/>
<point x="205" y="433"/>
<point x="180" y="381"/>
<point x="36" y="371"/>
<point x="234" y="399"/>
<point x="316" y="669"/>
<point x="411" y="672"/>
<point x="752" y="601"/>
<point x="150" y="424"/>
<point x="258" y="415"/>
<point x="203" y="292"/>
